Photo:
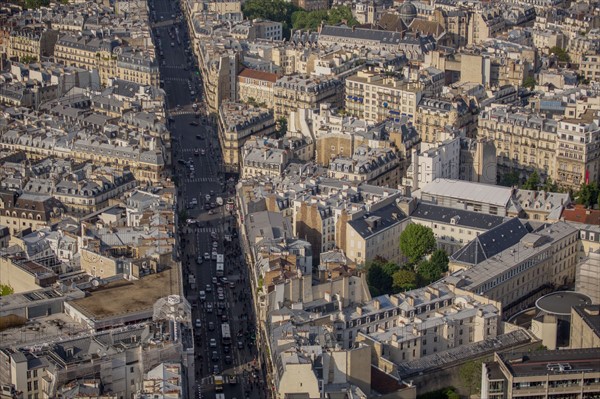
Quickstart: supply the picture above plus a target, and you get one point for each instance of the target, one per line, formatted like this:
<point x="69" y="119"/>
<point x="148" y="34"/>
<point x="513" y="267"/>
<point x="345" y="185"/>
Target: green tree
<point x="28" y="59"/>
<point x="529" y="82"/>
<point x="533" y="181"/>
<point x="31" y="4"/>
<point x="470" y="376"/>
<point x="6" y="290"/>
<point x="379" y="281"/>
<point x="588" y="195"/>
<point x="404" y="280"/>
<point x="416" y="241"/>
<point x="550" y="186"/>
<point x="273" y="10"/>
<point x="311" y="20"/>
<point x="561" y="54"/>
<point x="282" y="125"/>
<point x="509" y="179"/>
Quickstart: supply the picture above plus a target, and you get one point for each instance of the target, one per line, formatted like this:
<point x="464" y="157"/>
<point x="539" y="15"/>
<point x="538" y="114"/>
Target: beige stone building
<point x="433" y="115"/>
<point x="24" y="275"/>
<point x="380" y="167"/>
<point x="297" y="91"/>
<point x="585" y="327"/>
<point x="375" y="97"/>
<point x="578" y="151"/>
<point x="19" y="212"/>
<point x="516" y="264"/>
<point x="376" y="234"/>
<point x="590" y="67"/>
<point x="542" y="374"/>
<point x="219" y="68"/>
<point x="238" y="123"/>
<point x="257" y="86"/>
<point x="89" y="53"/>
<point x="33" y="42"/>
<point x="524" y="141"/>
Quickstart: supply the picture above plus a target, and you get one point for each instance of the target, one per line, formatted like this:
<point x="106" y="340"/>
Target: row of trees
<point x="425" y="264"/>
<point x="293" y="17"/>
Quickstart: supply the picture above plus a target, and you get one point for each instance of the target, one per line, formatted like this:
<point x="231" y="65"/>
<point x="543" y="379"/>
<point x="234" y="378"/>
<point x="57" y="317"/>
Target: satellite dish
<point x="95" y="283"/>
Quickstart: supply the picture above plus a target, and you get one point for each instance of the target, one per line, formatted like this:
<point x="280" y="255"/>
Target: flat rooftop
<point x="124" y="297"/>
<point x="541" y="363"/>
<point x="561" y="302"/>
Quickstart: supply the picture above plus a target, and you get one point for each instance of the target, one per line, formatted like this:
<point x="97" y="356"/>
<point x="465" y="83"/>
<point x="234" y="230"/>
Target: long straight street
<point x="206" y="225"/>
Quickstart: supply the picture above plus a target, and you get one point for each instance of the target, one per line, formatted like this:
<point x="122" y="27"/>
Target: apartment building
<point x="590" y="67"/>
<point x="33" y="42"/>
<point x="585" y="327"/>
<point x="376" y="234"/>
<point x="375" y="97"/>
<point x="578" y="151"/>
<point x="524" y="141"/>
<point x="443" y="328"/>
<point x="516" y="263"/>
<point x="261" y="157"/>
<point x="453" y="228"/>
<point x="478" y="161"/>
<point x="219" y="65"/>
<point x="321" y="217"/>
<point x="376" y="166"/>
<point x="433" y="115"/>
<point x="305" y="92"/>
<point x="256" y="86"/>
<point x="88" y="52"/>
<point x="137" y="67"/>
<point x="486" y="23"/>
<point x="567" y="373"/>
<point x="21" y="211"/>
<point x="238" y="123"/>
<point x="434" y="161"/>
<point x="401" y="312"/>
<point x="415" y="47"/>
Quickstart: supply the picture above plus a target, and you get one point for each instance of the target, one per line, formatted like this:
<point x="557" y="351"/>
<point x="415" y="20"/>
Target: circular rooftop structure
<point x="560" y="303"/>
<point x="407" y="12"/>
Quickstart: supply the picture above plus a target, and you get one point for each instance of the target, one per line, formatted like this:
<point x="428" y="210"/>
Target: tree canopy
<point x="529" y="82"/>
<point x="588" y="195"/>
<point x="404" y="280"/>
<point x="30" y="4"/>
<point x="379" y="278"/>
<point x="470" y="376"/>
<point x="273" y="10"/>
<point x="416" y="241"/>
<point x="533" y="181"/>
<point x="433" y="269"/>
<point x="311" y="20"/>
<point x="561" y="54"/>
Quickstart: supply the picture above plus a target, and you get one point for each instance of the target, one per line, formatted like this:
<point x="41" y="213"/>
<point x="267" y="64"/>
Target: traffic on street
<point x="215" y="276"/>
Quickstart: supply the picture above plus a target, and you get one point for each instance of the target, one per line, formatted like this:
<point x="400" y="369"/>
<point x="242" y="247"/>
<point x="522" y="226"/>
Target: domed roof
<point x="408" y="12"/>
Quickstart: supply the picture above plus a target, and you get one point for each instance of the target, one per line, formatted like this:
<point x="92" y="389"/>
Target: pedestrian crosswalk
<point x="201" y="180"/>
<point x="176" y="113"/>
<point x="204" y="229"/>
<point x="179" y="67"/>
<point x="170" y="79"/>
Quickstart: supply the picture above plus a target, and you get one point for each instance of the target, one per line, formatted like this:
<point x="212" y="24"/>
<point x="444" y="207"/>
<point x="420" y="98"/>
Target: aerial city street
<point x="293" y="199"/>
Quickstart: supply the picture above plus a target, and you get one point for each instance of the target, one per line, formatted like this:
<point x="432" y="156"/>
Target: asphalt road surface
<point x="198" y="173"/>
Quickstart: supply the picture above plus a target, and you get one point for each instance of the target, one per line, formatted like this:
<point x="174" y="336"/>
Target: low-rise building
<point x="453" y="228"/>
<point x="261" y="157"/>
<point x="515" y="263"/>
<point x="544" y="374"/>
<point x="585" y="327"/>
